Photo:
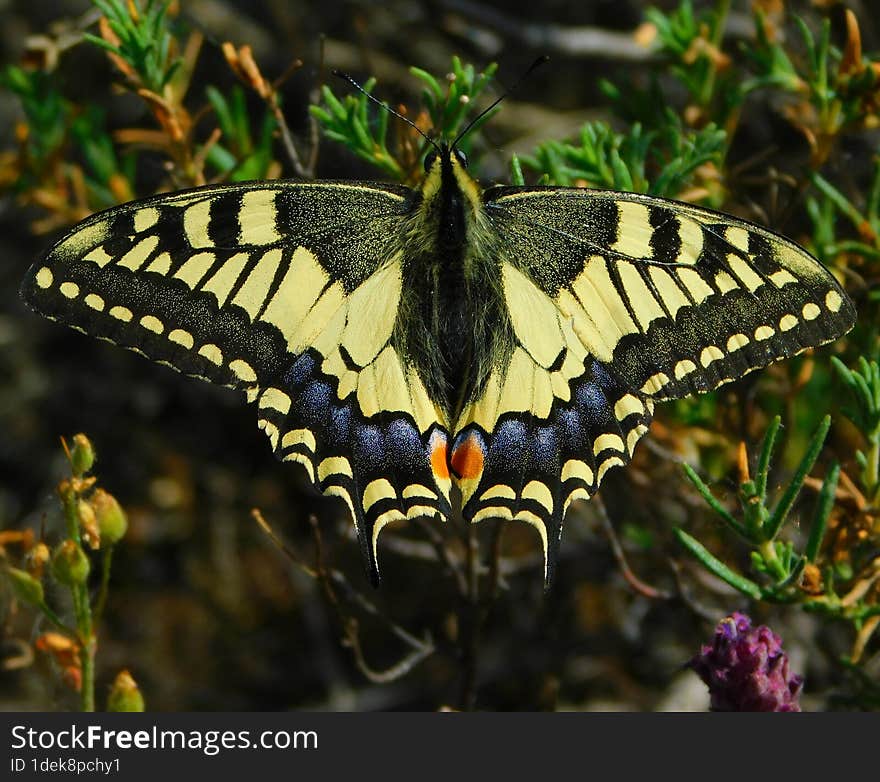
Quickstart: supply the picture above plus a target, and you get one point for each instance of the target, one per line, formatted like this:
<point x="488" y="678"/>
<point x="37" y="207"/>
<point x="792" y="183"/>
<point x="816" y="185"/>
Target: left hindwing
<point x="617" y="300"/>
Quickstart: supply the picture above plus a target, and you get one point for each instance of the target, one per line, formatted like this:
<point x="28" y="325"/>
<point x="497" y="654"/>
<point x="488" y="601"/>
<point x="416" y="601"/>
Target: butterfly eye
<point x="429" y="159"/>
<point x="462" y="158"/>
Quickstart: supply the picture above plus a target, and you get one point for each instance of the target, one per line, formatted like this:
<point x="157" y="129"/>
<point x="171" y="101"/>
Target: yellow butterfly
<point x="401" y="343"/>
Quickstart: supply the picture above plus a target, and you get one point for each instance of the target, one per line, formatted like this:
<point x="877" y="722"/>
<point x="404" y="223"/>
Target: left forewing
<point x="287" y="291"/>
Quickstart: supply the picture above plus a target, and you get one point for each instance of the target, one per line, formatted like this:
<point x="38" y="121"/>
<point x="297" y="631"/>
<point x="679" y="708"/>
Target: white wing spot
<point x="334" y="465"/>
<point x="655" y="383"/>
<point x="684" y="368"/>
<point x="195" y="267"/>
<point x="613" y="461"/>
<point x="634" y="230"/>
<point x="121" y="313"/>
<point x="212" y="353"/>
<point x="710" y="354"/>
<point x="417" y="490"/>
<point x="738" y="237"/>
<point x="44" y="278"/>
<point x="243" y="370"/>
<point x="736" y="342"/>
<point x="537" y="491"/>
<point x="182" y="337"/>
<point x="69" y="289"/>
<point x="161" y="264"/>
<point x="275" y="399"/>
<point x="747" y="275"/>
<point x="690" y="232"/>
<point x="195" y="223"/>
<point x="811" y="311"/>
<point x="627" y="405"/>
<point x="152" y="323"/>
<point x="137" y="255"/>
<point x="257" y="217"/>
<point x="376" y="490"/>
<point x="271" y="432"/>
<point x="575" y="468"/>
<point x="297" y="436"/>
<point x="787" y="322"/>
<point x="94" y="301"/>
<point x="833" y="301"/>
<point x="498" y="491"/>
<point x="763" y="332"/>
<point x="634" y="436"/>
<point x="99" y="256"/>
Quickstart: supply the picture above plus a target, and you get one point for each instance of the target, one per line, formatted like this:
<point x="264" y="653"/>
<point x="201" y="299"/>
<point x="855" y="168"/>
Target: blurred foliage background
<point x="765" y="109"/>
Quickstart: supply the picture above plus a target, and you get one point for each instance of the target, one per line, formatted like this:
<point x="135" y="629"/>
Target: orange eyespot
<point x="467" y="458"/>
<point x="439" y="464"/>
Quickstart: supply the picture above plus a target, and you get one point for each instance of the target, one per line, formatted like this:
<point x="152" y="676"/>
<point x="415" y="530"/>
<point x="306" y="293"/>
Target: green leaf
<point x="777" y="517"/>
<point x="766" y="453"/>
<point x="714" y="503"/>
<point x="716" y="566"/>
<point x="822" y="512"/>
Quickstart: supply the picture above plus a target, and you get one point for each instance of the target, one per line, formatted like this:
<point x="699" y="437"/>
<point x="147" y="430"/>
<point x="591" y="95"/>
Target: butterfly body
<point x="455" y="324"/>
<point x="398" y="342"/>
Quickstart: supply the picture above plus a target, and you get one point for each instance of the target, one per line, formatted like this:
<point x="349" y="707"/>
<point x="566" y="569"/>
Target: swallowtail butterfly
<point x="399" y="343"/>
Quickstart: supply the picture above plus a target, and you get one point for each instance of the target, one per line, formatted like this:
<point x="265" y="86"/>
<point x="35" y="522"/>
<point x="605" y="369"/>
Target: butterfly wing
<point x="287" y="291"/>
<point x="617" y="300"/>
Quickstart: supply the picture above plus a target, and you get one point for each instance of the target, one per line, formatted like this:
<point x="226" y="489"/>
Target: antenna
<point x="407" y="120"/>
<point x="536" y="64"/>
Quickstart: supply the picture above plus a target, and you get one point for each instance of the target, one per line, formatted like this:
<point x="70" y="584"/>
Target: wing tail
<point x="530" y="468"/>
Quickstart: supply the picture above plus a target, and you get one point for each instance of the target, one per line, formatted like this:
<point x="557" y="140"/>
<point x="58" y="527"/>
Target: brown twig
<point x="282" y="545"/>
<point x="333" y="582"/>
<point x="644" y="589"/>
<point x="444" y="553"/>
<point x="470" y="621"/>
<point x="709" y="614"/>
<point x="402" y="667"/>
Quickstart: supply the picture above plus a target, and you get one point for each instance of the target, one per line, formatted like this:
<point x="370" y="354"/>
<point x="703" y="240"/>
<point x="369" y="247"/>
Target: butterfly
<point x="443" y="347"/>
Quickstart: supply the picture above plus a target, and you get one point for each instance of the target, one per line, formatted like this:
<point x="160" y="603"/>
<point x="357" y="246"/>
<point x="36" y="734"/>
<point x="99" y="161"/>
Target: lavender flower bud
<point x="746" y="669"/>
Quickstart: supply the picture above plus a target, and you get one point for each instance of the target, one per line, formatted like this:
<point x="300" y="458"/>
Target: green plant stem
<point x="87" y="666"/>
<point x="872" y="470"/>
<point x="707" y="89"/>
<point x="81" y="607"/>
<point x="55" y="619"/>
<point x="101" y="601"/>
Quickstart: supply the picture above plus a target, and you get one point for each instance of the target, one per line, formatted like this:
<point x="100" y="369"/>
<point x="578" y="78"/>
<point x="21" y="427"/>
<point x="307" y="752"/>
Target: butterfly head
<point x="444" y="154"/>
<point x="447" y="185"/>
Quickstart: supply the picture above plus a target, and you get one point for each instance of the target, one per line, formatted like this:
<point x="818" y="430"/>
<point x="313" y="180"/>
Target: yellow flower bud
<point x="125" y="694"/>
<point x="37" y="559"/>
<point x="70" y="565"/>
<point x="112" y="521"/>
<point x="82" y="455"/>
<point x="27" y="588"/>
<point x="88" y="523"/>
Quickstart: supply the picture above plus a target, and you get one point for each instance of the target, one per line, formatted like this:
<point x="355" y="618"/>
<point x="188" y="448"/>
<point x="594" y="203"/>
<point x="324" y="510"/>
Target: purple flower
<point x="746" y="669"/>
